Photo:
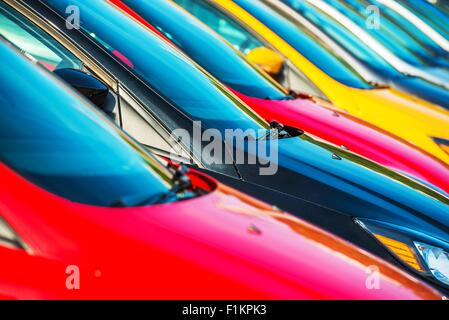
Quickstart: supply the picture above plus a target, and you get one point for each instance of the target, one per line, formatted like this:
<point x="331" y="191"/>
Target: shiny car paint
<point x="405" y="116"/>
<point x="323" y="183"/>
<point x="229" y="249"/>
<point x="338" y="128"/>
<point x="339" y="24"/>
<point x="233" y="247"/>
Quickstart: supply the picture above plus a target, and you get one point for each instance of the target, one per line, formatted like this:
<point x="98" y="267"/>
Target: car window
<point x="407" y="25"/>
<point x="345" y="38"/>
<point x="32" y="41"/>
<point x="306" y="43"/>
<point x="162" y="67"/>
<point x="222" y="24"/>
<point x="206" y="48"/>
<point x="53" y="138"/>
<point x="393" y="38"/>
<point x="433" y="16"/>
<point x="290" y="76"/>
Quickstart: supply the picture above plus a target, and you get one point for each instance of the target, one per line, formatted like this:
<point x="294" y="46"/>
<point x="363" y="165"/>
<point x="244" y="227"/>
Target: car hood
<point x="352" y="133"/>
<point x="221" y="245"/>
<point x="314" y="170"/>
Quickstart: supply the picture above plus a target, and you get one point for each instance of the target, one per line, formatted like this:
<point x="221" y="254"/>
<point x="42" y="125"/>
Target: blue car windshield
<point x="435" y="17"/>
<point x="392" y="37"/>
<point x="408" y="26"/>
<point x="350" y="42"/>
<point x="206" y="48"/>
<point x="54" y="139"/>
<point x="309" y="46"/>
<point x="162" y="67"/>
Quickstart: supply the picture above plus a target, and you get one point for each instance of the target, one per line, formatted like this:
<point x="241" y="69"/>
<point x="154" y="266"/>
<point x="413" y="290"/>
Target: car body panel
<point x="218" y="245"/>
<point x="340" y="33"/>
<point x="310" y="171"/>
<point x="338" y="128"/>
<point x="228" y="249"/>
<point x="407" y="117"/>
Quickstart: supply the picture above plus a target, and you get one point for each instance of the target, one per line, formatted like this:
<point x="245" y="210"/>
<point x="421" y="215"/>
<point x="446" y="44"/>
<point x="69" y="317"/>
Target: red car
<point x="273" y="103"/>
<point x="85" y="212"/>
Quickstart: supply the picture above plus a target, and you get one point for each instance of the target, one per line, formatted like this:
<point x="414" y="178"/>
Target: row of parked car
<point x="120" y="178"/>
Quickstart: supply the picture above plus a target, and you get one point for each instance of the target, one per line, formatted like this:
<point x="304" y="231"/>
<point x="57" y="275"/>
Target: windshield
<point x="52" y="138"/>
<point x="206" y="48"/>
<point x="393" y="38"/>
<point x="244" y="40"/>
<point x="34" y="41"/>
<point x="344" y="38"/>
<point x="164" y="68"/>
<point x="307" y="44"/>
<point x="408" y="26"/>
<point x="435" y="17"/>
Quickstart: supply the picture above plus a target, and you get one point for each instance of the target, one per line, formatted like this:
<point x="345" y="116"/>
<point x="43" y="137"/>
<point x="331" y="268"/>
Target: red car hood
<point x="223" y="245"/>
<point x="347" y="131"/>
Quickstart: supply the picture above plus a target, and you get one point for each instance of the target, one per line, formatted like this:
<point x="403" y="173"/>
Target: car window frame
<point x="100" y="71"/>
<point x="298" y="73"/>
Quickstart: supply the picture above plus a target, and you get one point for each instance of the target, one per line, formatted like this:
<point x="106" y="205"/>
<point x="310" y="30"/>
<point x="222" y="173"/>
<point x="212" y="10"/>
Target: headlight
<point x="412" y="249"/>
<point x="437" y="260"/>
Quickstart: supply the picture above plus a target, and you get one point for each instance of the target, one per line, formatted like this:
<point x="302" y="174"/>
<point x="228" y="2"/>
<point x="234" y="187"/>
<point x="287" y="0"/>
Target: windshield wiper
<point x="276" y="131"/>
<point x="378" y="85"/>
<point x="181" y="183"/>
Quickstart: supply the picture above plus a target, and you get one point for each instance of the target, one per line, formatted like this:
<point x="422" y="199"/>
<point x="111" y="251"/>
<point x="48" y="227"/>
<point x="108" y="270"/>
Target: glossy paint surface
<point x="222" y="244"/>
<point x="409" y="118"/>
<point x="349" y="132"/>
<point x="228" y="249"/>
<point x="338" y="128"/>
<point x="310" y="170"/>
<point x="379" y="66"/>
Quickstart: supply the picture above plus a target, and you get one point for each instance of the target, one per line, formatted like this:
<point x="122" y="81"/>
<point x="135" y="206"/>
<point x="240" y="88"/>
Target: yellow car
<point x="414" y="120"/>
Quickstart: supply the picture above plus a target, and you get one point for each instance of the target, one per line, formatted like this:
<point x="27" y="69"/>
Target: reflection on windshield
<point x="394" y="39"/>
<point x="414" y="32"/>
<point x="206" y="48"/>
<point x="344" y="38"/>
<point x="165" y="69"/>
<point x="308" y="45"/>
<point x="52" y="138"/>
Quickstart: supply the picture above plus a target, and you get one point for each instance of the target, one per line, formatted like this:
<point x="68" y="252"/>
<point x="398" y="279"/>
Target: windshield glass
<point x="344" y="38"/>
<point x="34" y="42"/>
<point x="405" y="24"/>
<point x="163" y="67"/>
<point x="244" y="40"/>
<point x="206" y="48"/>
<point x="390" y="36"/>
<point x="433" y="16"/>
<point x="307" y="44"/>
<point x="52" y="138"/>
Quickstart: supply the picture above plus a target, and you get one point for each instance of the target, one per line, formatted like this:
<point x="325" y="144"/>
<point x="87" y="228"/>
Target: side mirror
<point x="268" y="60"/>
<point x="89" y="86"/>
